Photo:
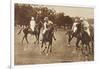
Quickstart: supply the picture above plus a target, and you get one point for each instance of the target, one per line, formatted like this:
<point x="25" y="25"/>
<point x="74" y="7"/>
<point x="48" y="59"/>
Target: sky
<point x="74" y="11"/>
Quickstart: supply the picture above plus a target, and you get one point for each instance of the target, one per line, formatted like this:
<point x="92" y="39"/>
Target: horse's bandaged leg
<point x="44" y="31"/>
<point x="41" y="36"/>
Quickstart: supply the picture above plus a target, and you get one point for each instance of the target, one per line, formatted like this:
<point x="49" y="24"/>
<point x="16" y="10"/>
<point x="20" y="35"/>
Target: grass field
<point x="31" y="53"/>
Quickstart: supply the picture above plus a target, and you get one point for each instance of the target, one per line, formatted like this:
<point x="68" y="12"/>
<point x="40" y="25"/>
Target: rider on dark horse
<point x="32" y="24"/>
<point x="76" y="28"/>
<point x="79" y="25"/>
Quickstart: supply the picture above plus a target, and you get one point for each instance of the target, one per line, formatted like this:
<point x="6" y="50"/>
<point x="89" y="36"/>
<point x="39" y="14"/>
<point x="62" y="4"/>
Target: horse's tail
<point x="26" y="30"/>
<point x="20" y="31"/>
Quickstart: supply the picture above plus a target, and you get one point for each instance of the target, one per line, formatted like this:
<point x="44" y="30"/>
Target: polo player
<point x="85" y="25"/>
<point x="32" y="24"/>
<point x="74" y="27"/>
<point x="47" y="25"/>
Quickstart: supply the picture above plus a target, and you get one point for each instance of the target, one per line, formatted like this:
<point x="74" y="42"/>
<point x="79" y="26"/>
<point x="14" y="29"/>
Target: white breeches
<point x="32" y="27"/>
<point x="88" y="31"/>
<point x="74" y="29"/>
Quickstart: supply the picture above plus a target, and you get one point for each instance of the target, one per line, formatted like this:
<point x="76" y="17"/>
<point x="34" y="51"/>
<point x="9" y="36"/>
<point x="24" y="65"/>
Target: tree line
<point x="24" y="12"/>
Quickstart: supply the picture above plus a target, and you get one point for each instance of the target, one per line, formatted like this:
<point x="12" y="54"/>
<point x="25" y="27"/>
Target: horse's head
<point x="51" y="27"/>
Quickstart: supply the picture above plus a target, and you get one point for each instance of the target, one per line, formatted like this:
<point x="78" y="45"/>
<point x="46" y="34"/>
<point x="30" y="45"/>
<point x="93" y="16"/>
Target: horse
<point x="82" y="36"/>
<point x="69" y="33"/>
<point x="28" y="30"/>
<point x="48" y="37"/>
<point x="86" y="40"/>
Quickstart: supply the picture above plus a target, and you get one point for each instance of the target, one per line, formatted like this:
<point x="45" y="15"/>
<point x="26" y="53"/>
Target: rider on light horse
<point x="47" y="25"/>
<point x="74" y="27"/>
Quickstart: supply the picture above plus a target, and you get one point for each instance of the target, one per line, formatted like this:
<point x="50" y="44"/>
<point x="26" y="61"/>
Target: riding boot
<point x="73" y="35"/>
<point x="53" y="36"/>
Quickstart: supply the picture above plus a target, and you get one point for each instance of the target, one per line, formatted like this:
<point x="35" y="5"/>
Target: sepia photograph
<point x="46" y="34"/>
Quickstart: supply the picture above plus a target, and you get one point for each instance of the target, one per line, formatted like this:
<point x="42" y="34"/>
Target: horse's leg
<point x="78" y="40"/>
<point x="92" y="43"/>
<point x="26" y="38"/>
<point x="47" y="49"/>
<point x="69" y="39"/>
<point x="54" y="37"/>
<point x="19" y="31"/>
<point x="86" y="52"/>
<point x="23" y="39"/>
<point x="41" y="47"/>
<point x="89" y="46"/>
<point x="82" y="49"/>
<point x="44" y="48"/>
<point x="38" y="38"/>
<point x="50" y="46"/>
<point x="42" y="44"/>
<point x="92" y="47"/>
<point x="88" y="49"/>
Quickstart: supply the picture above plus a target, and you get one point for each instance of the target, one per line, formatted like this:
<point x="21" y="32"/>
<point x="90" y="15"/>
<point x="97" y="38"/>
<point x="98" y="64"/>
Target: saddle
<point x="30" y="30"/>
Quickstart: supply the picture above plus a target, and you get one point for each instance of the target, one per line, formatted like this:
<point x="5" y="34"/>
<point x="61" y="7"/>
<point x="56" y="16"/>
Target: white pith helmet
<point x="76" y="19"/>
<point x="85" y="18"/>
<point x="81" y="18"/>
<point x="32" y="18"/>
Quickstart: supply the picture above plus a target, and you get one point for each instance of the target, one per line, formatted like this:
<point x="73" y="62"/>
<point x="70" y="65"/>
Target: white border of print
<point x="46" y="2"/>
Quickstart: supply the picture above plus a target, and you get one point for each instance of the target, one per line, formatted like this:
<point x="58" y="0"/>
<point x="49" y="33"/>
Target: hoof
<point x="24" y="49"/>
<point x="74" y="52"/>
<point x="38" y="43"/>
<point x="86" y="58"/>
<point x="47" y="54"/>
<point x="55" y="39"/>
<point x="27" y="42"/>
<point x="68" y="45"/>
<point x="77" y="48"/>
<point x="41" y="46"/>
<point x="34" y="42"/>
